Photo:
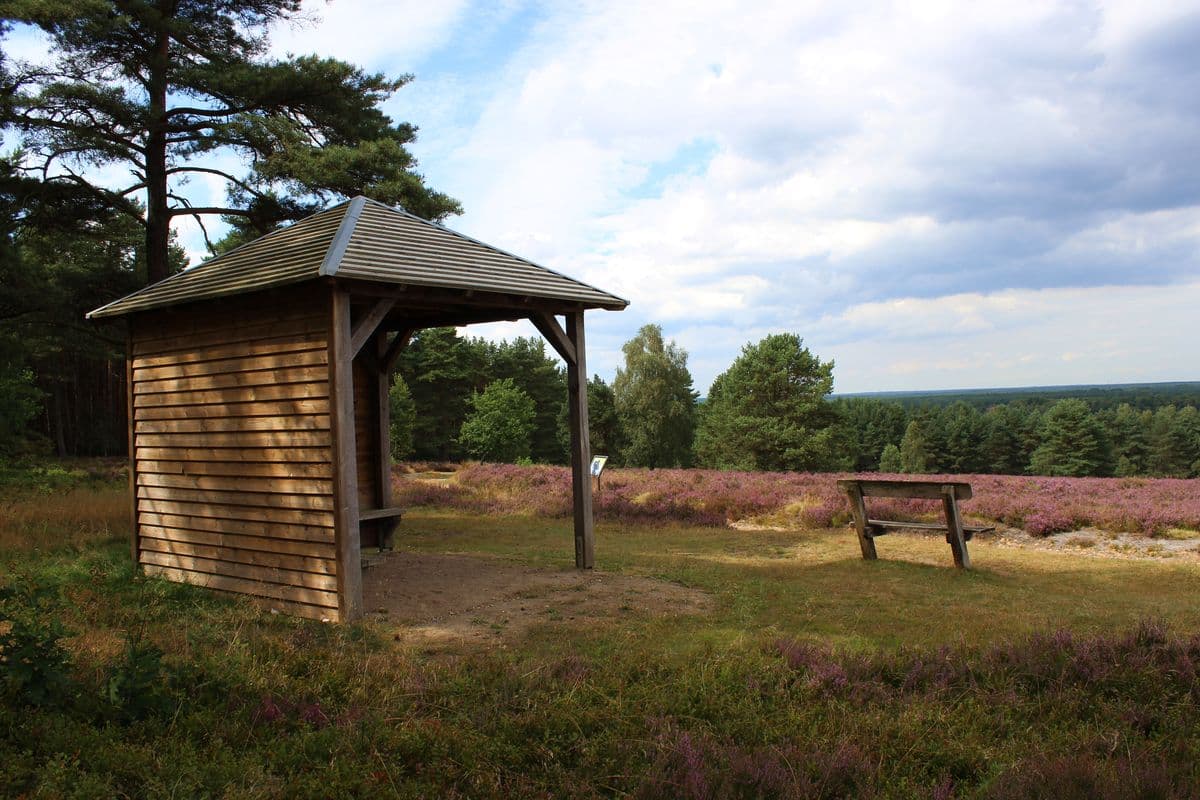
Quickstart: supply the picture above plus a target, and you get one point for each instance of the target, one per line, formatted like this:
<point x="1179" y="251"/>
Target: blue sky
<point x="934" y="195"/>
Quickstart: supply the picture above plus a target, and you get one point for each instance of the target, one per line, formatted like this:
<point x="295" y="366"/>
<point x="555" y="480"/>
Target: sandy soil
<point x="448" y="599"/>
<point x="1103" y="544"/>
<point x="1086" y="541"/>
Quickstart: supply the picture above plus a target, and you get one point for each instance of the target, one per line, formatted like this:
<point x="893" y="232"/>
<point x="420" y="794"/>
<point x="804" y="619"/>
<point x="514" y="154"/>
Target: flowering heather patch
<point x="1147" y="661"/>
<point x="1141" y="686"/>
<point x="1040" y="505"/>
<point x="700" y="768"/>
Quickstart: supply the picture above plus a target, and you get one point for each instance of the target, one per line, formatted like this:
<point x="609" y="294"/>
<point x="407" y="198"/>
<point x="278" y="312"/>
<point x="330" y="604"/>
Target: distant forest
<point x="1119" y="430"/>
<point x="650" y="416"/>
<point x="1142" y="396"/>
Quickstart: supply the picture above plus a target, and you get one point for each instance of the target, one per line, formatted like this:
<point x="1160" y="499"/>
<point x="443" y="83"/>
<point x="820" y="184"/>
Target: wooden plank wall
<point x="233" y="483"/>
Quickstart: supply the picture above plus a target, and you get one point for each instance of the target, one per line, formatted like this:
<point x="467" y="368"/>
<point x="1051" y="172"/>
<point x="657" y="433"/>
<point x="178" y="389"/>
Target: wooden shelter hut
<point x="258" y="396"/>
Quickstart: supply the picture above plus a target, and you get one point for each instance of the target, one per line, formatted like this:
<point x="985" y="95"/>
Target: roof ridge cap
<point x="341" y="239"/>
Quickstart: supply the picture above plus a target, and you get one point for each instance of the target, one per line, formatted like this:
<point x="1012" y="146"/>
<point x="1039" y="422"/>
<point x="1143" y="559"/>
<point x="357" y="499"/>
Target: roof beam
<point x="387" y="361"/>
<point x="368" y="325"/>
<point x="548" y="325"/>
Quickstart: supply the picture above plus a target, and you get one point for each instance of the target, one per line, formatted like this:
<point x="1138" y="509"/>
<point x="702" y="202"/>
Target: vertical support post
<point x="134" y="538"/>
<point x="858" y="508"/>
<point x="383" y="498"/>
<point x="954" y="528"/>
<point x="345" y="468"/>
<point x="581" y="483"/>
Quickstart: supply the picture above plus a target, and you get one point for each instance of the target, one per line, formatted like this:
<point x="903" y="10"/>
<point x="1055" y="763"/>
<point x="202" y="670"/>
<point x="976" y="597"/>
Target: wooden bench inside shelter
<point x="949" y="492"/>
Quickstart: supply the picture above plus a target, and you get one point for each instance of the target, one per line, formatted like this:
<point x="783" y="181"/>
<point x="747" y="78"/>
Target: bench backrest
<point x="923" y="490"/>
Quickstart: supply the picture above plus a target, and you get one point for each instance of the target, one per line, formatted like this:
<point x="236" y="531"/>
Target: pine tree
<point x="402" y="417"/>
<point x="770" y="411"/>
<point x="604" y="425"/>
<point x="1073" y="442"/>
<point x="891" y="462"/>
<point x="914" y="450"/>
<point x="964" y="437"/>
<point x="169" y="88"/>
<point x="441" y="371"/>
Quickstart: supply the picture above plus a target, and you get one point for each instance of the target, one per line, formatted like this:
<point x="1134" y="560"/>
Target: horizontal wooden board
<point x="294" y="594"/>
<point x="237" y="484"/>
<point x="237" y="439"/>
<point x="285" y="577"/>
<point x="247" y="410"/>
<point x="249" y="394"/>
<point x="928" y="490"/>
<point x="232" y="380"/>
<point x="313" y="502"/>
<point x="273" y="347"/>
<point x="259" y="558"/>
<point x="281" y="532"/>
<point x="277" y="455"/>
<point x="284" y="516"/>
<point x="294" y="422"/>
<point x="235" y="469"/>
<point x="317" y="356"/>
<point x="183" y="537"/>
<point x="200" y="349"/>
<point x="224" y="332"/>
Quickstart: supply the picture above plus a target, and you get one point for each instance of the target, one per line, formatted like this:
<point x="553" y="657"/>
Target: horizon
<point x="1014" y="389"/>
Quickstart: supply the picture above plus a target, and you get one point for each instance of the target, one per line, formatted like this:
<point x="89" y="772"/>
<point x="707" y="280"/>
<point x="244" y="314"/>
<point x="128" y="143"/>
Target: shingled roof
<point x="364" y="240"/>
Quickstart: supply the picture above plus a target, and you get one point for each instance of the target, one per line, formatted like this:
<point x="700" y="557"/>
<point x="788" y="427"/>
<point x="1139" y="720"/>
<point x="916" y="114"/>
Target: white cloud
<point x="1014" y="338"/>
<point x="385" y="34"/>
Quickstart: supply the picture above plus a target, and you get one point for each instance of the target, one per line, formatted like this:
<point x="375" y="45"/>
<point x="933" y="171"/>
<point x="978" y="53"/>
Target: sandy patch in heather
<point x="448" y="599"/>
<point x="1101" y="544"/>
<point x="1085" y="541"/>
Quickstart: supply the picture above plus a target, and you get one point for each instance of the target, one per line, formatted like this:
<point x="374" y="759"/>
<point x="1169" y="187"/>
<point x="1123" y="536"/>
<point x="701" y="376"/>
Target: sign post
<point x="598" y="467"/>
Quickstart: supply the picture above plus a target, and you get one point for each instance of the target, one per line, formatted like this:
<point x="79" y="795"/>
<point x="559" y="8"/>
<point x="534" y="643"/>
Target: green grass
<point x="729" y="704"/>
<point x="814" y="584"/>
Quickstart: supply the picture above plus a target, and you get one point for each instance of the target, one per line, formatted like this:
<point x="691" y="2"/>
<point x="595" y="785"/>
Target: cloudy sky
<point x="934" y="195"/>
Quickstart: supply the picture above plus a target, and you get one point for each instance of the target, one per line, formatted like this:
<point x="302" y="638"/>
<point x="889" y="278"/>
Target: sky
<point x="934" y="195"/>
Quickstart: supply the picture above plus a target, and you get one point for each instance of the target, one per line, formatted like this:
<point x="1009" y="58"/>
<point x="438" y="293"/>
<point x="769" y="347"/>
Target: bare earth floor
<point x="447" y="599"/>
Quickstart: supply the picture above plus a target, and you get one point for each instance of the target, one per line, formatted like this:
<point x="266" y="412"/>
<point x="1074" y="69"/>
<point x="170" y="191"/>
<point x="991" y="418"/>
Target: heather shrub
<point x="696" y="767"/>
<point x="1039" y="505"/>
<point x="1095" y="774"/>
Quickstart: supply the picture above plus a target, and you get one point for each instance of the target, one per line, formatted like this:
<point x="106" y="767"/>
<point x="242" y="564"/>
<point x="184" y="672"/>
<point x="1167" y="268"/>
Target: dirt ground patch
<point x="449" y="599"/>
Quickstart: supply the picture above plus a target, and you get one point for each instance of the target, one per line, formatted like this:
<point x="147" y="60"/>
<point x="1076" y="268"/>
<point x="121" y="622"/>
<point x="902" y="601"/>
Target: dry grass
<point x="71" y="518"/>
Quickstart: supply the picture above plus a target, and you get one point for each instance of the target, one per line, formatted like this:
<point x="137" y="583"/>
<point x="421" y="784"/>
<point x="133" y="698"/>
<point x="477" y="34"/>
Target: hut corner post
<point x="134" y="536"/>
<point x="581" y="482"/>
<point x="345" y="468"/>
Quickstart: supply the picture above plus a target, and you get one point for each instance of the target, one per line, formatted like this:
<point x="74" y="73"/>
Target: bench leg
<point x="954" y="531"/>
<point x="859" y="509"/>
<point x="387" y="533"/>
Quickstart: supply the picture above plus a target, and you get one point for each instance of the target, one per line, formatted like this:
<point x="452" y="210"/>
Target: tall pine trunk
<point x="158" y="217"/>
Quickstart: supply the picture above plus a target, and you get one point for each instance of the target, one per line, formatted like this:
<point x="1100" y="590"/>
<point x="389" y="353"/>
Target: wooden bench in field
<point x="949" y="492"/>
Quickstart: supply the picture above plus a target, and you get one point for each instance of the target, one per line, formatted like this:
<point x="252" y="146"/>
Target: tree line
<point x="772" y="409"/>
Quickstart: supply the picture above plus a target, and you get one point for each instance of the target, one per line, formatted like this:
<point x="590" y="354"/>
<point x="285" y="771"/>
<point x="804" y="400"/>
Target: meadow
<point x="811" y="674"/>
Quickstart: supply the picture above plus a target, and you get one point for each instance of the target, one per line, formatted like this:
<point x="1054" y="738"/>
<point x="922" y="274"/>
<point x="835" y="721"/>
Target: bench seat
<point x="879" y="527"/>
<point x="379" y="513"/>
